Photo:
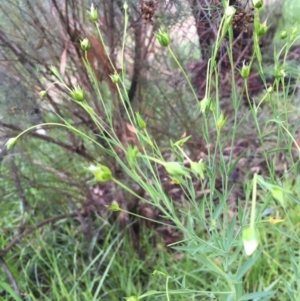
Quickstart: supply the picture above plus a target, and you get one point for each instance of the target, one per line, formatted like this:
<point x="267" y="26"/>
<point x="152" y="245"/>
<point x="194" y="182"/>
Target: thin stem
<point x="253" y="205"/>
<point x="128" y="189"/>
<point x="184" y="73"/>
<point x="167" y="289"/>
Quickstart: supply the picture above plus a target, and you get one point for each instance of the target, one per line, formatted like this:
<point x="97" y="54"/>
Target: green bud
<point x="176" y="169"/>
<point x="250" y="240"/>
<point x="85" y="44"/>
<point x="163" y="37"/>
<point x="43" y="93"/>
<point x="204" y="104"/>
<point x="175" y="180"/>
<point x="260" y="28"/>
<point x="283" y="35"/>
<point x="270" y="90"/>
<point x="257" y="3"/>
<point x="114" y="207"/>
<point x="279" y="72"/>
<point x="11" y="142"/>
<point x="140" y="121"/>
<point x="78" y="94"/>
<point x="93" y="13"/>
<point x="131" y="154"/>
<point x="101" y="172"/>
<point x="115" y="78"/>
<point x="245" y="72"/>
<point x="221" y="121"/>
<point x="198" y="168"/>
<point x="125" y="6"/>
<point x="294" y="32"/>
<point x="229" y="14"/>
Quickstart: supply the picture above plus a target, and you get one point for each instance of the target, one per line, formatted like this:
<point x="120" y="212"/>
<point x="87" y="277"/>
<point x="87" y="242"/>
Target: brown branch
<point x="57" y="173"/>
<point x="19" y="52"/>
<point x="10" y="277"/>
<point x="137" y="60"/>
<point x="28" y="231"/>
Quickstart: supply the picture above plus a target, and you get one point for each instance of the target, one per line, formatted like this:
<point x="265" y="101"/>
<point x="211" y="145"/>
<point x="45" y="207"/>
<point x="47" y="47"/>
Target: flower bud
<point x="294" y="32"/>
<point x="93" y="13"/>
<point x="270" y="90"/>
<point x="279" y="72"/>
<point x="131" y="154"/>
<point x="245" y="72"/>
<point x="163" y="37"/>
<point x="283" y="35"/>
<point x="175" y="180"/>
<point x="260" y="28"/>
<point x="125" y="6"/>
<point x="101" y="172"/>
<point x="43" y="93"/>
<point x="198" y="169"/>
<point x="78" y="94"/>
<point x="115" y="78"/>
<point x="176" y="169"/>
<point x="250" y="240"/>
<point x="140" y="121"/>
<point x="204" y="104"/>
<point x="257" y="3"/>
<point x="229" y="14"/>
<point x="11" y="142"/>
<point x="85" y="44"/>
<point x="114" y="206"/>
<point x="221" y="121"/>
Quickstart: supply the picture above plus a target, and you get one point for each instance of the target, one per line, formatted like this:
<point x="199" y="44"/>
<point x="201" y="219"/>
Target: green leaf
<point x="56" y="73"/>
<point x="176" y="169"/>
<point x="219" y="208"/>
<point x="202" y="209"/>
<point x="182" y="141"/>
<point x="230" y="234"/>
<point x="258" y="295"/>
<point x="10" y="291"/>
<point x="287" y="235"/>
<point x="211" y="265"/>
<point x="247" y="265"/>
<point x="276" y="190"/>
<point x="277" y="194"/>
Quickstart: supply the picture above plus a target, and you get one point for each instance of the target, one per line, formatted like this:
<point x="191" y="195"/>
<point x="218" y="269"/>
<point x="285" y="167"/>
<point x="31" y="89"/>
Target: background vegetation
<point x="179" y="234"/>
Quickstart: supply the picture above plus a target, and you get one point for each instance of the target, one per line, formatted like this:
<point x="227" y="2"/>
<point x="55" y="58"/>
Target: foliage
<point x="61" y="241"/>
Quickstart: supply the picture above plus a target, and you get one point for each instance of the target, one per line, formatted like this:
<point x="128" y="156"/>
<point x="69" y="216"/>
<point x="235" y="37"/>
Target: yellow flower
<point x="275" y="221"/>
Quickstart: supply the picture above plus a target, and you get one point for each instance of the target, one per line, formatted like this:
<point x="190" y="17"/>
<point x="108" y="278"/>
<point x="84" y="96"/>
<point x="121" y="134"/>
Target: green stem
<point x="184" y="73"/>
<point x="253" y="205"/>
<point x="39" y="125"/>
<point x="167" y="289"/>
<point x="59" y="83"/>
<point x="61" y="125"/>
<point x="128" y="190"/>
